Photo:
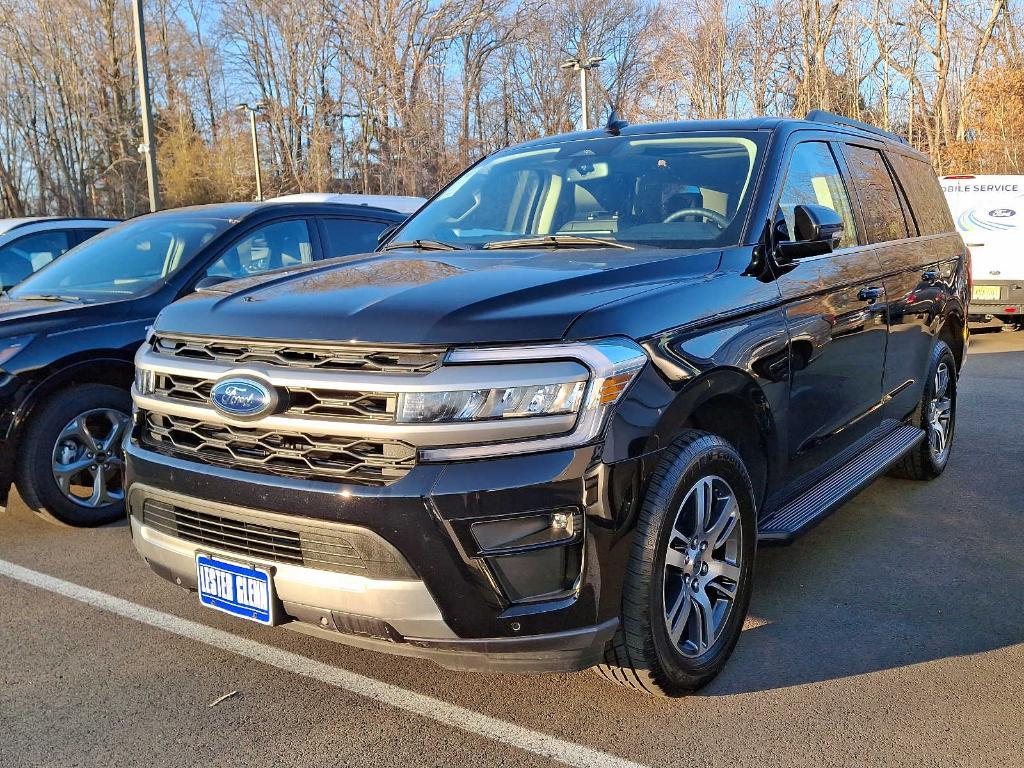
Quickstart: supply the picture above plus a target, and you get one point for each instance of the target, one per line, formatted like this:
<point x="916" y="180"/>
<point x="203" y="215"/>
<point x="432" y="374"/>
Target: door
<point x="835" y="314"/>
<point x="910" y="269"/>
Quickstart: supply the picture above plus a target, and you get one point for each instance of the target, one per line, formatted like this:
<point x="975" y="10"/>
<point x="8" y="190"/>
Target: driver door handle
<point x="870" y="295"/>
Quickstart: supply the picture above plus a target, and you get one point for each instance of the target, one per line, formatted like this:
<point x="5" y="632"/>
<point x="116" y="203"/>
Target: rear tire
<point x="675" y="637"/>
<point x="76" y="436"/>
<point x="936" y="415"/>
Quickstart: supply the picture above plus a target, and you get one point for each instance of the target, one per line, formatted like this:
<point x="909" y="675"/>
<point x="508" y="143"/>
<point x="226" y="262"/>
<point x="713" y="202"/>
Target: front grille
<point x="310" y="356"/>
<point x="330" y="403"/>
<point x="327" y="548"/>
<point x="358" y="460"/>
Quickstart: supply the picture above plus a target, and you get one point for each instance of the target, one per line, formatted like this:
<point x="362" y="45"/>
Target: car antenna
<point x="614" y="125"/>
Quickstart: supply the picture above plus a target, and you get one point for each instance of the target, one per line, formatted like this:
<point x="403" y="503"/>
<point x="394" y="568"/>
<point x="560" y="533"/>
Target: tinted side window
<point x="813" y="178"/>
<point x="280" y="244"/>
<point x="926" y="199"/>
<point x="879" y="200"/>
<point x="348" y="236"/>
<point x="28" y="254"/>
<point x="85" y="234"/>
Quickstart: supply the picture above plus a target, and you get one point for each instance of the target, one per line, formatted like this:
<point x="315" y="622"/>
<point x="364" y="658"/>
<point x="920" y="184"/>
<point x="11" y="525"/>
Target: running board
<point x="805" y="511"/>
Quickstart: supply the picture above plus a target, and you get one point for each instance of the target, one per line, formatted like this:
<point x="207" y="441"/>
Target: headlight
<point x="497" y="403"/>
<point x="11" y="346"/>
<point x="144" y="381"/>
<point x="613" y="365"/>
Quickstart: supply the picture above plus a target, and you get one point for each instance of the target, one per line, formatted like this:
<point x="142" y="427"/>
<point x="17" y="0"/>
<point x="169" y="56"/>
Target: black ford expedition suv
<point x="547" y="424"/>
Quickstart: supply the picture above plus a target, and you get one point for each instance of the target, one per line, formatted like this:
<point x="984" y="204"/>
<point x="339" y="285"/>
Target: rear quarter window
<point x="879" y="200"/>
<point x="924" y="194"/>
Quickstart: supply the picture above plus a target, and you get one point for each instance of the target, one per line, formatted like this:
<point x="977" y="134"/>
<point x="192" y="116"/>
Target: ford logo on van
<point x="1002" y="213"/>
<point x="243" y="398"/>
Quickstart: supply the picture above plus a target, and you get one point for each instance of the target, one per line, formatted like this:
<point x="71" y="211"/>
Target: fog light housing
<point x="534" y="557"/>
<point x="541" y="574"/>
<point x="524" y="532"/>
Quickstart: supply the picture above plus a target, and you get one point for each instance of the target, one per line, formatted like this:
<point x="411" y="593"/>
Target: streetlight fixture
<point x="252" y="109"/>
<point x="582" y="64"/>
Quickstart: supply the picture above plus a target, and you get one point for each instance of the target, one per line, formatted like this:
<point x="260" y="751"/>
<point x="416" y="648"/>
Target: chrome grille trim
<point x="279" y="539"/>
<point x="352" y="459"/>
<point x="232" y="352"/>
<point x="335" y="389"/>
<point x="372" y="429"/>
<point x="306" y="401"/>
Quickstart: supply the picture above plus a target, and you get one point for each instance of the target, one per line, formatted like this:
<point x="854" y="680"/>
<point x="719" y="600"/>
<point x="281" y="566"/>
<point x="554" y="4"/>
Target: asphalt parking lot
<point x="892" y="634"/>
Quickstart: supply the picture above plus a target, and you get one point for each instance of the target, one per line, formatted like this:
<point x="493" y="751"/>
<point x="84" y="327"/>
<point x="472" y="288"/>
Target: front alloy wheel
<point x="86" y="460"/>
<point x="70" y="463"/>
<point x="688" y="581"/>
<point x="702" y="566"/>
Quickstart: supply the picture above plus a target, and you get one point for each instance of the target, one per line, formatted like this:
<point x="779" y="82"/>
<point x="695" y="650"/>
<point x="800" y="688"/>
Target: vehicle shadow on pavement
<point x="906" y="572"/>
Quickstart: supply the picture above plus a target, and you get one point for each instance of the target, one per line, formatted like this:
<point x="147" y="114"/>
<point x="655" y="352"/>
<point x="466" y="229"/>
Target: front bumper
<point x="452" y="609"/>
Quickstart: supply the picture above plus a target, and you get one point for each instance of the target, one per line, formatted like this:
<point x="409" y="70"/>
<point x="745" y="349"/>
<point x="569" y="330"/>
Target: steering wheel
<point x="713" y="216"/>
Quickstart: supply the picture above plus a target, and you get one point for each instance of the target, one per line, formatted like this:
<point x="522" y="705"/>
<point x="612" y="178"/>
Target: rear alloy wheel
<point x="936" y="415"/>
<point x="71" y="467"/>
<point x="940" y="414"/>
<point x="689" y="577"/>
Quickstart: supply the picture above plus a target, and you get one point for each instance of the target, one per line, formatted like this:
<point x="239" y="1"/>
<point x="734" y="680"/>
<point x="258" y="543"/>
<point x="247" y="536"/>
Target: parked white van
<point x="989" y="212"/>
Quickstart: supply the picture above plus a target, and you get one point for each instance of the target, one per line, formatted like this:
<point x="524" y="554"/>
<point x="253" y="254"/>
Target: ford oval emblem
<point x="243" y="398"/>
<point x="1002" y="213"/>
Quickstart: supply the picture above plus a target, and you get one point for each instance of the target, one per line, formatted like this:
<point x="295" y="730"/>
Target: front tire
<point x="688" y="584"/>
<point x="70" y="472"/>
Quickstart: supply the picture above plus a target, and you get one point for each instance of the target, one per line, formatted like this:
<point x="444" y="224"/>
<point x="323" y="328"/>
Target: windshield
<point x="685" y="191"/>
<point x="126" y="260"/>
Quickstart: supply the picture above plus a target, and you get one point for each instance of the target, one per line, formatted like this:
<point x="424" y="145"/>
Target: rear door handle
<point x="870" y="295"/>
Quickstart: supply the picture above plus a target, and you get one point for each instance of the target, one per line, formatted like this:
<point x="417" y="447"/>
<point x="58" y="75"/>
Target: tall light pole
<point x="252" y="109"/>
<point x="148" y="146"/>
<point x="581" y="65"/>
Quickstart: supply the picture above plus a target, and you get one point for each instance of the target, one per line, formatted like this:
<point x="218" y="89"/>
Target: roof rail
<point x="821" y="116"/>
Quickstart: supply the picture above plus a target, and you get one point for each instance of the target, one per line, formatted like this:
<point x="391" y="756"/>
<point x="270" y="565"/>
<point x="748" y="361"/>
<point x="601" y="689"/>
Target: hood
<point x="437" y="298"/>
<point x="35" y="316"/>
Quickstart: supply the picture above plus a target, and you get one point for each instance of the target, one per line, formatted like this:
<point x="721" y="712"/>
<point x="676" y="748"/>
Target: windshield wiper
<point x="50" y="297"/>
<point x="423" y="245"/>
<point x="557" y="241"/>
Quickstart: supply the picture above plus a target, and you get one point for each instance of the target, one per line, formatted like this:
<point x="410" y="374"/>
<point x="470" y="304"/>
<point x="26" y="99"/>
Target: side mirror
<point x="387" y="233"/>
<point x="211" y="280"/>
<point x="818" y="231"/>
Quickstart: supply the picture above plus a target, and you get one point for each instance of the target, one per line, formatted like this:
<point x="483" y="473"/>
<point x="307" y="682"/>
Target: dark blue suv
<point x="68" y="333"/>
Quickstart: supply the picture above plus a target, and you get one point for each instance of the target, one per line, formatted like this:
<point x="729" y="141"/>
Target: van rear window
<point x="925" y="195"/>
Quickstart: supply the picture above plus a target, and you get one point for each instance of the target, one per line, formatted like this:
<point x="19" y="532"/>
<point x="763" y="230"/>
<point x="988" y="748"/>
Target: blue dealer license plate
<point x="235" y="589"/>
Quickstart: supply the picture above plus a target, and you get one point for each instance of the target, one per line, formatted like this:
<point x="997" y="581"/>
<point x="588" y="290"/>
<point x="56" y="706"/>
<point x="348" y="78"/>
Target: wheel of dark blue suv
<point x="68" y="333"/>
<point x="547" y="425"/>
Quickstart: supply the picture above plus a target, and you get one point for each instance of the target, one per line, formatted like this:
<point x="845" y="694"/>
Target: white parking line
<point x="425" y="706"/>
